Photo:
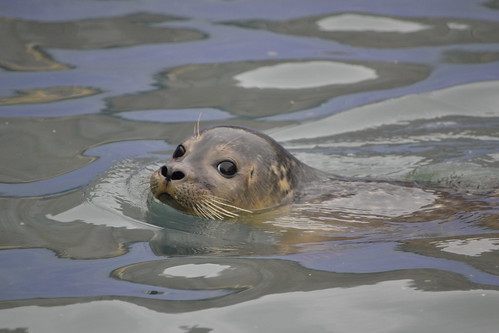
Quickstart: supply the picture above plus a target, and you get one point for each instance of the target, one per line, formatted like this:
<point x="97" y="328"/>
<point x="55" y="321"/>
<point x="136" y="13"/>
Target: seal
<point x="224" y="171"/>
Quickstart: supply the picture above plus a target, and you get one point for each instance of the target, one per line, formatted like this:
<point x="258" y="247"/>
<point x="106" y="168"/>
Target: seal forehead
<point x="229" y="133"/>
<point x="245" y="142"/>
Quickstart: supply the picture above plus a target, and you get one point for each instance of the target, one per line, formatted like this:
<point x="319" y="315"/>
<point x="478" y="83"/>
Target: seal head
<point x="227" y="170"/>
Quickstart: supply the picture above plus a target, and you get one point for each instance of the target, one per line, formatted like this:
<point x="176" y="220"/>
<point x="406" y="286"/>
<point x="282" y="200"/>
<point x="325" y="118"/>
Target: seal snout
<point x="165" y="182"/>
<point x="171" y="174"/>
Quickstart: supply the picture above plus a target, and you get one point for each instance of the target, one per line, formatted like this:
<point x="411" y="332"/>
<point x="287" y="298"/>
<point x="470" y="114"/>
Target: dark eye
<point x="179" y="152"/>
<point x="227" y="168"/>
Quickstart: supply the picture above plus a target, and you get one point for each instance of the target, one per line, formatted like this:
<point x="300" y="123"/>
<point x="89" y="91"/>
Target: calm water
<point x="94" y="95"/>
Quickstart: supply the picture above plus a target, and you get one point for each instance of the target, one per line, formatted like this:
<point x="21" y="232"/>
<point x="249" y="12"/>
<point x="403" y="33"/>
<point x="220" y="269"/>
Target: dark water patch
<point x="47" y="95"/>
<point x="493" y="4"/>
<point x="101" y="158"/>
<point x="49" y="269"/>
<point x="34" y="59"/>
<point x="468" y="57"/>
<point x="236" y="87"/>
<point x="376" y="31"/>
<point x="49" y="223"/>
<point x="137" y="29"/>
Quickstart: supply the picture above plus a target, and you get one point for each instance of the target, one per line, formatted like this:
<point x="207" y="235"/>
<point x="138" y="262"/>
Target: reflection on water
<point x="464" y="57"/>
<point x="94" y="96"/>
<point x="356" y="22"/>
<point x="481" y="102"/>
<point x="236" y="86"/>
<point x="379" y="304"/>
<point x="46" y="95"/>
<point x="471" y="247"/>
<point x="24" y="37"/>
<point x="374" y="31"/>
<point x="304" y="75"/>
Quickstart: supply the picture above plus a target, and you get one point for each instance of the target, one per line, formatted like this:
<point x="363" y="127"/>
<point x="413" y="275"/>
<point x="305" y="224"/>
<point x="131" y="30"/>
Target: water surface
<point x="95" y="95"/>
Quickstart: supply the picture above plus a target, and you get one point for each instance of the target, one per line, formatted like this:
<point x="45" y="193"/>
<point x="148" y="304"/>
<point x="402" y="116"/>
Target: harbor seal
<point x="224" y="171"/>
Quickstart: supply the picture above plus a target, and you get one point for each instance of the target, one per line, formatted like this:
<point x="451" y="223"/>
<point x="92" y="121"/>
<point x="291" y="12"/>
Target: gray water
<point x="95" y="95"/>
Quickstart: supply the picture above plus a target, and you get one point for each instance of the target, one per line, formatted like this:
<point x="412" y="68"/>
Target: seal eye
<point x="179" y="152"/>
<point x="227" y="168"/>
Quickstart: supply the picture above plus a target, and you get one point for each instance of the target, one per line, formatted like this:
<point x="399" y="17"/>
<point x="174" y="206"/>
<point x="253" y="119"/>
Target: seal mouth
<point x="165" y="197"/>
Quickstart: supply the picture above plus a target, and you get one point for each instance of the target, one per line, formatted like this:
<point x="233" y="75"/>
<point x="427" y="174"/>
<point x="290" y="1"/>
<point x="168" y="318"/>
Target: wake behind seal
<point x="224" y="171"/>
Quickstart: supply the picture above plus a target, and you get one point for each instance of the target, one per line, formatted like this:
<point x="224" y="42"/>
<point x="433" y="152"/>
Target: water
<point x="94" y="95"/>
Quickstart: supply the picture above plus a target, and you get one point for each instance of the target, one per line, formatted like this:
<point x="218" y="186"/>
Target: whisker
<point x="199" y="211"/>
<point x="212" y="211"/>
<point x="223" y="211"/>
<point x="217" y="200"/>
<point x="207" y="213"/>
<point x="196" y="125"/>
<point x="202" y="211"/>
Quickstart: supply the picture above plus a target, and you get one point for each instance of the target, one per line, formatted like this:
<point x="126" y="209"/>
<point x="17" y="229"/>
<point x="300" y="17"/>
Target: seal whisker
<point x="203" y="211"/>
<point x="224" y="211"/>
<point x="196" y="211"/>
<point x="200" y="211"/>
<point x="218" y="200"/>
<point x="216" y="212"/>
<point x="211" y="211"/>
<point x="221" y="210"/>
<point x="196" y="126"/>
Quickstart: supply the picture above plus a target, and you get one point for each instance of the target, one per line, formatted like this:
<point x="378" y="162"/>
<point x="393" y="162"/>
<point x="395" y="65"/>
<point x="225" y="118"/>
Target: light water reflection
<point x="473" y="100"/>
<point x="357" y="22"/>
<point x="304" y="75"/>
<point x="94" y="95"/>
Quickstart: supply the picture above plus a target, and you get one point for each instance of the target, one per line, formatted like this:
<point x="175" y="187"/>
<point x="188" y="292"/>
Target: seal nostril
<point x="177" y="175"/>
<point x="164" y="171"/>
